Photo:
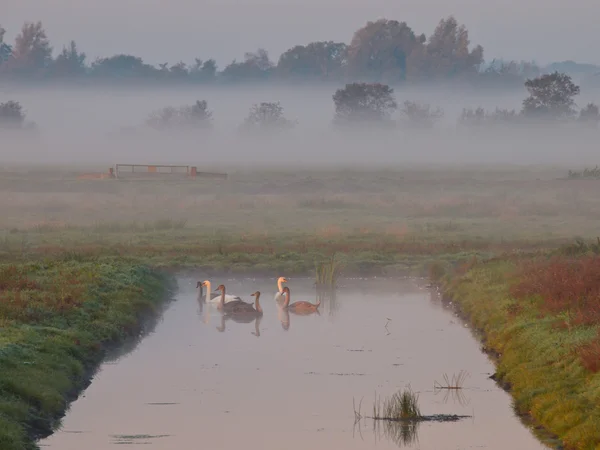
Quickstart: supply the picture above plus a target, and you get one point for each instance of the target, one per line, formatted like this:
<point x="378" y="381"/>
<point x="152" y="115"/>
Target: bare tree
<point x="267" y="117"/>
<point x="196" y="116"/>
<point x="421" y="116"/>
<point x="590" y="115"/>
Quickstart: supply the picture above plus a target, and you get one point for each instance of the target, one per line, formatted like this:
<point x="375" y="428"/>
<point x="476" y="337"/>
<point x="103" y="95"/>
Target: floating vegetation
<point x="456" y="382"/>
<point x="403" y="406"/>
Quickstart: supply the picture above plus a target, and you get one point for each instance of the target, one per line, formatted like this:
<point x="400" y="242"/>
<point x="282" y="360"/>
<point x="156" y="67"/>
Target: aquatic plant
<point x="327" y="272"/>
<point x="403" y="405"/>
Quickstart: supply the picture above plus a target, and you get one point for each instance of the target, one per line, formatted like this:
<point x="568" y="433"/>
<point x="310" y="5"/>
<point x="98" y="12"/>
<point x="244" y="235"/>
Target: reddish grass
<point x="566" y="285"/>
<point x="589" y="354"/>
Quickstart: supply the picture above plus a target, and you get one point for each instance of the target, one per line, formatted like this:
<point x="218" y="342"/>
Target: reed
<point x="328" y="272"/>
<point x="403" y="405"/>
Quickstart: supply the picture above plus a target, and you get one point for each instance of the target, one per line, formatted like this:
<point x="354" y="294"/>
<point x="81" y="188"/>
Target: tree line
<point x="551" y="99"/>
<point x="384" y="51"/>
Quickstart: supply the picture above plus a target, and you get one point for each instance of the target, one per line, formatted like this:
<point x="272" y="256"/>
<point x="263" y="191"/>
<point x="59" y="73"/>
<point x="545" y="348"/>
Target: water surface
<point x="288" y="381"/>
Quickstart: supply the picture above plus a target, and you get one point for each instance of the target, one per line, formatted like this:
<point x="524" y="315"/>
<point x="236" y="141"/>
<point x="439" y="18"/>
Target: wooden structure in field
<point x="152" y="171"/>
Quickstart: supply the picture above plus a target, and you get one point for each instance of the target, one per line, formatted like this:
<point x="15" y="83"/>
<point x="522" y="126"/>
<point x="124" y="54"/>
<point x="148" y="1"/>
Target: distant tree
<point x="11" y="115"/>
<point x="179" y="71"/>
<point x="317" y="60"/>
<point x="590" y="115"/>
<point x="196" y="117"/>
<point x="70" y="62"/>
<point x="204" y="70"/>
<point x="256" y="66"/>
<point x="380" y="51"/>
<point x="448" y="51"/>
<point x="32" y="52"/>
<point x="421" y="116"/>
<point x="480" y="117"/>
<point x="5" y="49"/>
<point x="364" y="103"/>
<point x="122" y="66"/>
<point x="267" y="117"/>
<point x="550" y="96"/>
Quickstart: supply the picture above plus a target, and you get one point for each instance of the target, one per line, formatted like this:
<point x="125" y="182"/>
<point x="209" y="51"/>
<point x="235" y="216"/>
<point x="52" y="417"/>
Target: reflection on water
<point x="202" y="374"/>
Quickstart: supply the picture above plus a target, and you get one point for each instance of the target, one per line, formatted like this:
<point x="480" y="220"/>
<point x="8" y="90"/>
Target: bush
<point x="196" y="116"/>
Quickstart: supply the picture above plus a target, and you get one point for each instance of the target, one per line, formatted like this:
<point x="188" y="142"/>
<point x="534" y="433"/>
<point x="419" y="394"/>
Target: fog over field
<point x="105" y="125"/>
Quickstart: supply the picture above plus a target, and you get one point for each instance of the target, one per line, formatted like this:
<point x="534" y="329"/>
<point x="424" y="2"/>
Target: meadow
<point x="78" y="255"/>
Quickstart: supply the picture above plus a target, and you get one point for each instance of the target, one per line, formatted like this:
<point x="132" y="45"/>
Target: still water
<point x="288" y="382"/>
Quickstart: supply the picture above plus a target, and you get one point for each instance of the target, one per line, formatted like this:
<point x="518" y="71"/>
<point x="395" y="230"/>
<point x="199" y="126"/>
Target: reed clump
<point x="328" y="272"/>
<point x="403" y="405"/>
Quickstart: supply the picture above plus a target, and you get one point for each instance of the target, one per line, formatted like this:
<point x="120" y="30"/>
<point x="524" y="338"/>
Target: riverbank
<point x="58" y="319"/>
<point x="541" y="318"/>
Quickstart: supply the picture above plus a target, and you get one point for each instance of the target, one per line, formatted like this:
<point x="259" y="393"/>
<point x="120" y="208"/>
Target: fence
<point x="152" y="171"/>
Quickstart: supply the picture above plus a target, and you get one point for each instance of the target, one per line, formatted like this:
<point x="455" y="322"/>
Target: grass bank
<point x="542" y="319"/>
<point x="57" y="321"/>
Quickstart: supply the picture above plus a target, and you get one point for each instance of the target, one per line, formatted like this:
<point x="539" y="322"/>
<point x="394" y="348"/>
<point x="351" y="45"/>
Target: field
<point x="399" y="216"/>
<point x="69" y="245"/>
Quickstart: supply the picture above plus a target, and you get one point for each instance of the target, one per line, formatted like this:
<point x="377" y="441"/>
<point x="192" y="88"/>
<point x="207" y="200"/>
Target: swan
<point x="279" y="293"/>
<point x="299" y="307"/>
<point x="214" y="297"/>
<point x="223" y="303"/>
<point x="243" y="308"/>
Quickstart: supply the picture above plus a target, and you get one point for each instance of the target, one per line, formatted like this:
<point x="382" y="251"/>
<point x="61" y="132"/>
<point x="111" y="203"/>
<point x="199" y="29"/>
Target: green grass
<point x="539" y="360"/>
<point x="57" y="320"/>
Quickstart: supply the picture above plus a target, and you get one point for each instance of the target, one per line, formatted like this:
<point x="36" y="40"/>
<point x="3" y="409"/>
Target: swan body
<point x="213" y="297"/>
<point x="299" y="307"/>
<point x="279" y="294"/>
<point x="243" y="308"/>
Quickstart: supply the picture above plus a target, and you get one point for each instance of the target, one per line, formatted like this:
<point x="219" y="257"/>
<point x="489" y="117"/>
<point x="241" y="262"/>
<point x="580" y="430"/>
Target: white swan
<point x="279" y="294"/>
<point x="213" y="297"/>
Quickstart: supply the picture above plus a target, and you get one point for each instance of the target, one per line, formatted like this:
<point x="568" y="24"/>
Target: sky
<point x="180" y="30"/>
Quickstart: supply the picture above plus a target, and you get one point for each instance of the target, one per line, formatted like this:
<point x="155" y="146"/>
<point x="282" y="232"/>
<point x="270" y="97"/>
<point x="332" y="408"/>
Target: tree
<point x="364" y="103"/>
<point x="32" y="51"/>
<point x="122" y="66"/>
<point x="70" y="62"/>
<point x="380" y="50"/>
<point x="11" y="115"/>
<point x="448" y="51"/>
<point x="196" y="116"/>
<point x="550" y="96"/>
<point x="421" y="116"/>
<point x="256" y="66"/>
<point x="317" y="60"/>
<point x="204" y="70"/>
<point x="267" y="117"/>
<point x="480" y="117"/>
<point x="5" y="49"/>
<point x="590" y="115"/>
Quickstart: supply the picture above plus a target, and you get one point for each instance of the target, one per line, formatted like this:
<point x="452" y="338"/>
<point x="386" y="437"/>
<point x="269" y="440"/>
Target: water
<point x="289" y="381"/>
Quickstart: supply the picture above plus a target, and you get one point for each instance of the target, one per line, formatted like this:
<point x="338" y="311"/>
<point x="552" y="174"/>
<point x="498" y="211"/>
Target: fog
<point x="102" y="126"/>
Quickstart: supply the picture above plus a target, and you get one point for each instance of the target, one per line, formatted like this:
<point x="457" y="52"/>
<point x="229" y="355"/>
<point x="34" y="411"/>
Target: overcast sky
<point x="174" y="30"/>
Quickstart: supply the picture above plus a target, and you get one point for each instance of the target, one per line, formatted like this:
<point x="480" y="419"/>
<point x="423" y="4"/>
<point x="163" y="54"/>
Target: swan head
<point x="203" y="284"/>
<point x="286" y="290"/>
<point x="282" y="280"/>
<point x="256" y="294"/>
<point x="220" y="288"/>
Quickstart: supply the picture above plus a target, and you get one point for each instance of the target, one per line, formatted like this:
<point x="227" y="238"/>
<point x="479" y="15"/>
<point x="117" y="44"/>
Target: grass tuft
<point x="328" y="272"/>
<point x="403" y="405"/>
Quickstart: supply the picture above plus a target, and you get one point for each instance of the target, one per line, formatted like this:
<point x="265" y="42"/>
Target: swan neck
<point x="257" y="304"/>
<point x="279" y="286"/>
<point x="208" y="290"/>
